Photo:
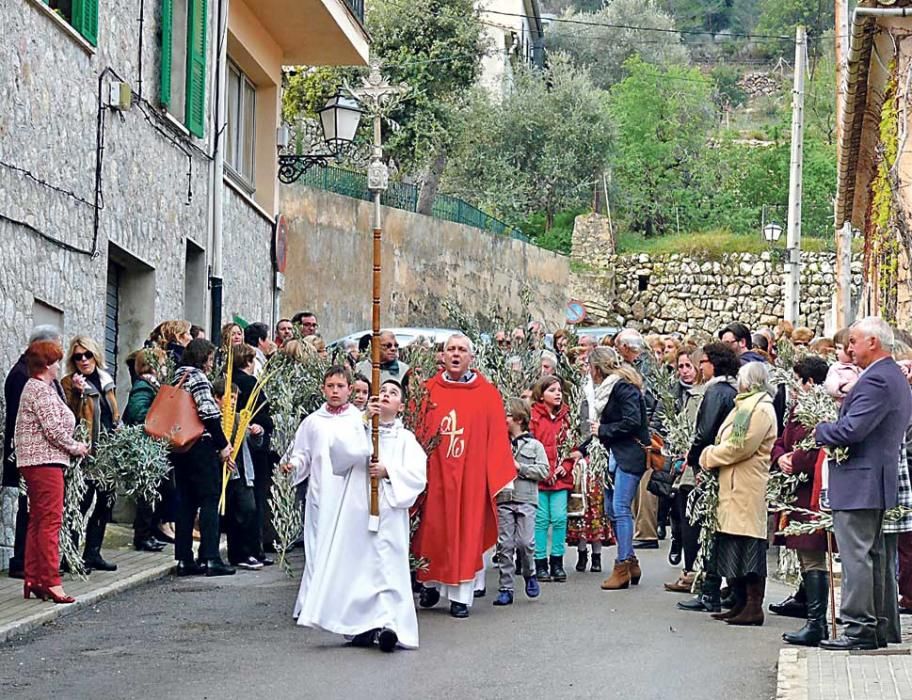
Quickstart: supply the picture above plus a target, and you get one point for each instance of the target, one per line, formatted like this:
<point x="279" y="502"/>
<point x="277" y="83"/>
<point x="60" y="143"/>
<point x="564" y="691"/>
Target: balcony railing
<point x="357" y="8"/>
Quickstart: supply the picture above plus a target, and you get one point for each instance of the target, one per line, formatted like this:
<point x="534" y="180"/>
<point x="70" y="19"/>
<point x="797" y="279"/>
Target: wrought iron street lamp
<point x="339" y="120"/>
<point x="771" y="232"/>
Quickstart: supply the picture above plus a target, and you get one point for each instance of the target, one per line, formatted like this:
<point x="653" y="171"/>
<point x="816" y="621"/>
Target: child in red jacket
<point x="549" y="424"/>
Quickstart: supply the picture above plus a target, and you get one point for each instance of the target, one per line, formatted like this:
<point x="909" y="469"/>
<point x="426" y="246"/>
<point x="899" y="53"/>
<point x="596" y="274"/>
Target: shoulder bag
<point x="173" y="417"/>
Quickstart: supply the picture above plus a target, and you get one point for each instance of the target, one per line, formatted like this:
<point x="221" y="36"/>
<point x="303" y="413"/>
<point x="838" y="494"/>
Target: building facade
<point x="138" y="162"/>
<point x="514" y="33"/>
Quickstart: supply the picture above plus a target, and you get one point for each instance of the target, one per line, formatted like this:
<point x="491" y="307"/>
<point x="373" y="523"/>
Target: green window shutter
<point x="196" y="67"/>
<point x="85" y="19"/>
<point x="167" y="21"/>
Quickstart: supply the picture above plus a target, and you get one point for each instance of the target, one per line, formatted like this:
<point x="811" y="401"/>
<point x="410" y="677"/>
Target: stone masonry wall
<point x="247" y="261"/>
<point x="675" y="293"/>
<point x="425" y="261"/>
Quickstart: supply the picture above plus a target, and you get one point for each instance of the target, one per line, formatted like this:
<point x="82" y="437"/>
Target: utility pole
<point x="793" y="264"/>
<point x="843" y="228"/>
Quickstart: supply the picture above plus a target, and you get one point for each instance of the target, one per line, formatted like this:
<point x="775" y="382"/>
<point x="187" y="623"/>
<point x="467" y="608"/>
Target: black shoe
<point x="662" y="532"/>
<point x="94" y="560"/>
<point x="162" y="537"/>
<point x="793" y="606"/>
<point x="674" y="553"/>
<point x="558" y="575"/>
<point x="149" y="545"/>
<point x="582" y="560"/>
<point x="846" y="643"/>
<point x="387" y="640"/>
<point x="596" y="563"/>
<point x="216" y="567"/>
<point x="265" y="561"/>
<point x="729" y="601"/>
<point x="702" y="603"/>
<point x="480" y="593"/>
<point x="459" y="610"/>
<point x="645" y="544"/>
<point x="817" y="587"/>
<point x="189" y="568"/>
<point x="365" y="639"/>
<point x="541" y="571"/>
<point x="428" y="597"/>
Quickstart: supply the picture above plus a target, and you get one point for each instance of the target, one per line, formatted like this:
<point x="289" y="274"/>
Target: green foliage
<point x="663" y="118"/>
<point x="711" y="245"/>
<point x="435" y="46"/>
<point x="306" y="90"/>
<point x="605" y="49"/>
<point x="781" y="17"/>
<point x="542" y="145"/>
<point x="559" y="237"/>
<point x="727" y="92"/>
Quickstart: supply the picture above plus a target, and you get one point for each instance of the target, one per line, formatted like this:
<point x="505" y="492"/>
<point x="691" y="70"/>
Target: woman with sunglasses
<point x="89" y="391"/>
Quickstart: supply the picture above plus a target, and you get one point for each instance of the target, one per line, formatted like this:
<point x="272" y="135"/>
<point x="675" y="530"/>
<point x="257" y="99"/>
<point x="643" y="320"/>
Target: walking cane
<point x="829" y="536"/>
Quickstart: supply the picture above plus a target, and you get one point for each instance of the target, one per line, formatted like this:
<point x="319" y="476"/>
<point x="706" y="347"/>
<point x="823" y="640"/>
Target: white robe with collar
<point x="356" y="580"/>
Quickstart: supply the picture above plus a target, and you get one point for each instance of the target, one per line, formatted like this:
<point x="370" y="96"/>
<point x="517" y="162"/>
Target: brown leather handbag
<point x="173" y="417"/>
<point x="655" y="460"/>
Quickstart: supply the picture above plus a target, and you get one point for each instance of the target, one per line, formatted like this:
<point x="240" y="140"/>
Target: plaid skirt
<point x="740" y="555"/>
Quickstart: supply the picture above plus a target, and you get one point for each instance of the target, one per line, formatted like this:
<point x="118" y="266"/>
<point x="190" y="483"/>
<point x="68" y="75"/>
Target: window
<point x="183" y="62"/>
<point x="82" y="15"/>
<point x="239" y="148"/>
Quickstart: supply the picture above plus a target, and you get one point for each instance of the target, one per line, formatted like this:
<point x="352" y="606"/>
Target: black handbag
<point x="662" y="483"/>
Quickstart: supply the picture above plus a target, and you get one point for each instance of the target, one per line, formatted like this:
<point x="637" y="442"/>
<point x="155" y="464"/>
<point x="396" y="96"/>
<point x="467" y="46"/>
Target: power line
<point x="703" y="32"/>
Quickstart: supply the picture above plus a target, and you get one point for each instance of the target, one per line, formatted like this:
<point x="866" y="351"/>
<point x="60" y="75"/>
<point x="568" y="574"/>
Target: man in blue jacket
<point x="872" y="424"/>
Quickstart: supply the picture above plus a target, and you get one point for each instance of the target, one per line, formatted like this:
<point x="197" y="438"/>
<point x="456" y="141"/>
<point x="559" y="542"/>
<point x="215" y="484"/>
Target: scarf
<point x="744" y="408"/>
<point x="392" y="366"/>
<point x="602" y="394"/>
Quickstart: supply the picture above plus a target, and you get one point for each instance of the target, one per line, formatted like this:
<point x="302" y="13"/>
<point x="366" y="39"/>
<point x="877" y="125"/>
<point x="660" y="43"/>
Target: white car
<point x="405" y="336"/>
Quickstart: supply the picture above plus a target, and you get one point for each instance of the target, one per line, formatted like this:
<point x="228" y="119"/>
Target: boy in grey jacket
<point x="517" y="505"/>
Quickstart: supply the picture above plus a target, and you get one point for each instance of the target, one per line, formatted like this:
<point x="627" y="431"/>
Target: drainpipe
<point x="216" y="169"/>
<point x="882" y="12"/>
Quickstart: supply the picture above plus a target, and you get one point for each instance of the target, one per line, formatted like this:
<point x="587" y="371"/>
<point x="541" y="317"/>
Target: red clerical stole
<point x="471" y="463"/>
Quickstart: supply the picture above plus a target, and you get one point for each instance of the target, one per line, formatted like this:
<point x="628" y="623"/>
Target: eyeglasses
<point x="80" y="356"/>
<point x="387" y="346"/>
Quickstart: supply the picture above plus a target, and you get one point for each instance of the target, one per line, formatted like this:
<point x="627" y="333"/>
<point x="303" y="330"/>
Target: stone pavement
<point x="19" y="616"/>
<point x="815" y="674"/>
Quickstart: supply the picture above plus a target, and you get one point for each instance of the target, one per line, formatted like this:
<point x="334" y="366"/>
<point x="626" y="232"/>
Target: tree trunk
<point x="430" y="182"/>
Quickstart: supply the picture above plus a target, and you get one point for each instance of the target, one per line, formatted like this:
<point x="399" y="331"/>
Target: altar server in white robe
<point x="359" y="581"/>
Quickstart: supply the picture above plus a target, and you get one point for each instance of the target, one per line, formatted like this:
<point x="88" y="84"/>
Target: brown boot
<point x="620" y="577"/>
<point x="752" y="613"/>
<point x="684" y="584"/>
<point x="738" y="591"/>
<point x="636" y="573"/>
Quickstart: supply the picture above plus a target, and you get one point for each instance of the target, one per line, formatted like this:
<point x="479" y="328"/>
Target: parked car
<point x="596" y="332"/>
<point x="405" y="336"/>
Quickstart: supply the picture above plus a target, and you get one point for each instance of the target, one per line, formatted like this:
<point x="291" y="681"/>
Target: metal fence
<point x="405" y="196"/>
<point x="357" y="8"/>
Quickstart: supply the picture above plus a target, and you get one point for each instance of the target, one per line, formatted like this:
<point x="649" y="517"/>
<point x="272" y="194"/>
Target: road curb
<point x="52" y="612"/>
<point x="792" y="676"/>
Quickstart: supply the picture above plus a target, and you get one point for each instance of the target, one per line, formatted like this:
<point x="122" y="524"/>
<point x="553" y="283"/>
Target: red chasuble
<point x="470" y="464"/>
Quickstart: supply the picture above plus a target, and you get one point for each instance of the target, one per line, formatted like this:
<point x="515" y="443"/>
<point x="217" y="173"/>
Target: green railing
<point x="405" y="196"/>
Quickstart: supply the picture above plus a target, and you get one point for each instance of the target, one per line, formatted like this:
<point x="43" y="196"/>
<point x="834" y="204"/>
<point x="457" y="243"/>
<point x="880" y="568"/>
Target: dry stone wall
<point x="677" y="293"/>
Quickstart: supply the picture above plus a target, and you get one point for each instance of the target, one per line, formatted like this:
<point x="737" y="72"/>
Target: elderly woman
<point x="44" y="445"/>
<point x="618" y="414"/>
<point x="742" y="457"/>
<point x="90" y="393"/>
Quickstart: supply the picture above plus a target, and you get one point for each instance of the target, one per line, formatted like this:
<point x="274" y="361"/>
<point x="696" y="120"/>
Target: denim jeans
<point x="625" y="490"/>
<point x="552" y="513"/>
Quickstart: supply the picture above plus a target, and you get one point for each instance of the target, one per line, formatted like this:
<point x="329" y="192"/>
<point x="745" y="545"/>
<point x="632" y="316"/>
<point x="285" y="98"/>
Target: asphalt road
<point x="234" y="638"/>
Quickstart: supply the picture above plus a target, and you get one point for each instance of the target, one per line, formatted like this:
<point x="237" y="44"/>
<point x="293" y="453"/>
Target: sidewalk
<point x="19" y="616"/>
<point x="815" y="674"/>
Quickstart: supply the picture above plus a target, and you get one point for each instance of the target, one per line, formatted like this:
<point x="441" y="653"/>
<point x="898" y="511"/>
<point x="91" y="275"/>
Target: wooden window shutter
<point x="167" y="22"/>
<point x="85" y="19"/>
<point x="196" y="68"/>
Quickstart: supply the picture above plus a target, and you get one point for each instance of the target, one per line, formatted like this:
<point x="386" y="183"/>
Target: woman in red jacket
<point x="811" y="548"/>
<point x="550" y="420"/>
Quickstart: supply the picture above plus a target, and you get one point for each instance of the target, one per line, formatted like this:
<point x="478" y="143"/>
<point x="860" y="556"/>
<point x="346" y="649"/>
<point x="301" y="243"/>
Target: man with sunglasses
<point x="391" y="367"/>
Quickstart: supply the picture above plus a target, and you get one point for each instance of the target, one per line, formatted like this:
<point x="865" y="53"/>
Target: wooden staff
<point x="829" y="536"/>
<point x="374" y="520"/>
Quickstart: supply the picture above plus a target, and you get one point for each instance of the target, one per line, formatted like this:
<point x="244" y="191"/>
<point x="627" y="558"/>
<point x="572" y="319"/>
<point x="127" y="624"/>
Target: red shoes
<point x="29" y="589"/>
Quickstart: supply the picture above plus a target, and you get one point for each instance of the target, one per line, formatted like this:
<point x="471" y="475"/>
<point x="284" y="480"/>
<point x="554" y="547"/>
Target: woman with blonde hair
<point x="318" y="345"/>
<point x="90" y="393"/>
<point x="618" y="420"/>
<point x="232" y="334"/>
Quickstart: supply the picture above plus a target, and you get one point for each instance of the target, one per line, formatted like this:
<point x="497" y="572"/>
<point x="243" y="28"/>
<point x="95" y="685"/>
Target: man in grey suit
<point x="872" y="424"/>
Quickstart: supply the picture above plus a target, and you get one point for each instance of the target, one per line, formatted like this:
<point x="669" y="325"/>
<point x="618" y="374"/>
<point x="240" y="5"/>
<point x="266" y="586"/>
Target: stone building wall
<point x="676" y="293"/>
<point x="154" y="190"/>
<point x="425" y="261"/>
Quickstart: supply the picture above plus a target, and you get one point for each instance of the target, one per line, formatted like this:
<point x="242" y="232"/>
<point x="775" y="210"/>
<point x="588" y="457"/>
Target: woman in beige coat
<point x="742" y="456"/>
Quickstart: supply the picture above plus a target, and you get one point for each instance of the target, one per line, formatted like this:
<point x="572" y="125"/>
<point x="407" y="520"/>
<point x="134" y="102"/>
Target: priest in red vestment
<point x="471" y="463"/>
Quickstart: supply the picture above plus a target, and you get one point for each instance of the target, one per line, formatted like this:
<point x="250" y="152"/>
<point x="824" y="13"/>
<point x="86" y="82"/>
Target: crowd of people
<point x="573" y="458"/>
